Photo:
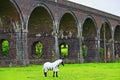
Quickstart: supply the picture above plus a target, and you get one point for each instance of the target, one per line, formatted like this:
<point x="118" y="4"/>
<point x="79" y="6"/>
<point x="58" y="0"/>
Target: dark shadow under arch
<point x="9" y="8"/>
<point x="89" y="28"/>
<point x="36" y="6"/>
<point x="117" y="33"/>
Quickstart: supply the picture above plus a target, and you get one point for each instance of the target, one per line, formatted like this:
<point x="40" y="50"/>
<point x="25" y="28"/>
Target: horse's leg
<point x="56" y="74"/>
<point x="53" y="73"/>
<point x="45" y="73"/>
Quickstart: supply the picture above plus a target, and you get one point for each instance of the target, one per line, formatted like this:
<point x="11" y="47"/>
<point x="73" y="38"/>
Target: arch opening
<point x="117" y="42"/>
<point x="5" y="48"/>
<point x="40" y="22"/>
<point x="105" y="42"/>
<point x="68" y="27"/>
<point x="40" y="28"/>
<point x="90" y="40"/>
<point x="68" y="34"/>
<point x="37" y="50"/>
<point x="9" y="14"/>
<point x="64" y="48"/>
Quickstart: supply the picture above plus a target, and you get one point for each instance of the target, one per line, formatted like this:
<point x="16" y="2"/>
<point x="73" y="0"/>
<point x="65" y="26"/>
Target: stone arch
<point x="92" y="19"/>
<point x="19" y="11"/>
<point x="36" y="5"/>
<point x="68" y="33"/>
<point x="12" y="7"/>
<point x="90" y="36"/>
<point x="107" y="24"/>
<point x="10" y="13"/>
<point x="106" y="40"/>
<point x="40" y="28"/>
<point x="117" y="42"/>
<point x="72" y="17"/>
<point x="72" y="14"/>
<point x="116" y="33"/>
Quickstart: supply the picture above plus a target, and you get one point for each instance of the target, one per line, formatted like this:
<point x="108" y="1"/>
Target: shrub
<point x="39" y="49"/>
<point x="5" y="48"/>
<point x="84" y="50"/>
<point x="101" y="52"/>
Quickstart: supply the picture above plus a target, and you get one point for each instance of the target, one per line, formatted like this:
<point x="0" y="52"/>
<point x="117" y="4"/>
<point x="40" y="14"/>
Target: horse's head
<point x="61" y="58"/>
<point x="62" y="63"/>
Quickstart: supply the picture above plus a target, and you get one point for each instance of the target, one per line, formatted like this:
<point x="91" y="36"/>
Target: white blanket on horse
<point x="50" y="66"/>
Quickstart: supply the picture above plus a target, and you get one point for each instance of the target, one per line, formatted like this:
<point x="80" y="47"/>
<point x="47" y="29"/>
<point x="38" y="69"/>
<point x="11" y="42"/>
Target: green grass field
<point x="89" y="71"/>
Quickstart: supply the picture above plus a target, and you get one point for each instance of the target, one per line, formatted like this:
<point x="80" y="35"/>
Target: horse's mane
<point x="57" y="62"/>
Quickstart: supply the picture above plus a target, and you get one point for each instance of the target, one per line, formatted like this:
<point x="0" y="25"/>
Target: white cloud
<point x="110" y="6"/>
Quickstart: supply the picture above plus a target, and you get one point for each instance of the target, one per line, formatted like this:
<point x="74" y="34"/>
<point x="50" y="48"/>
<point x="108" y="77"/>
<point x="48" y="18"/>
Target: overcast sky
<point x="110" y="6"/>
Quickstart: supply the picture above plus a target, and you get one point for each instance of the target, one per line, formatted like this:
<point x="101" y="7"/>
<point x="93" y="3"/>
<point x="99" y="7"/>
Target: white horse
<point x="52" y="66"/>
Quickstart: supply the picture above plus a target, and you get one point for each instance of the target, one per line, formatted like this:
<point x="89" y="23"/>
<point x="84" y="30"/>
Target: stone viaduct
<point x="23" y="23"/>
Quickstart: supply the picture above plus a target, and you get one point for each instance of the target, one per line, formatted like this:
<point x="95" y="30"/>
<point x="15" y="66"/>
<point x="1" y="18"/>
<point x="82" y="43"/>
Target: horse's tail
<point x="44" y="68"/>
<point x="45" y="73"/>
